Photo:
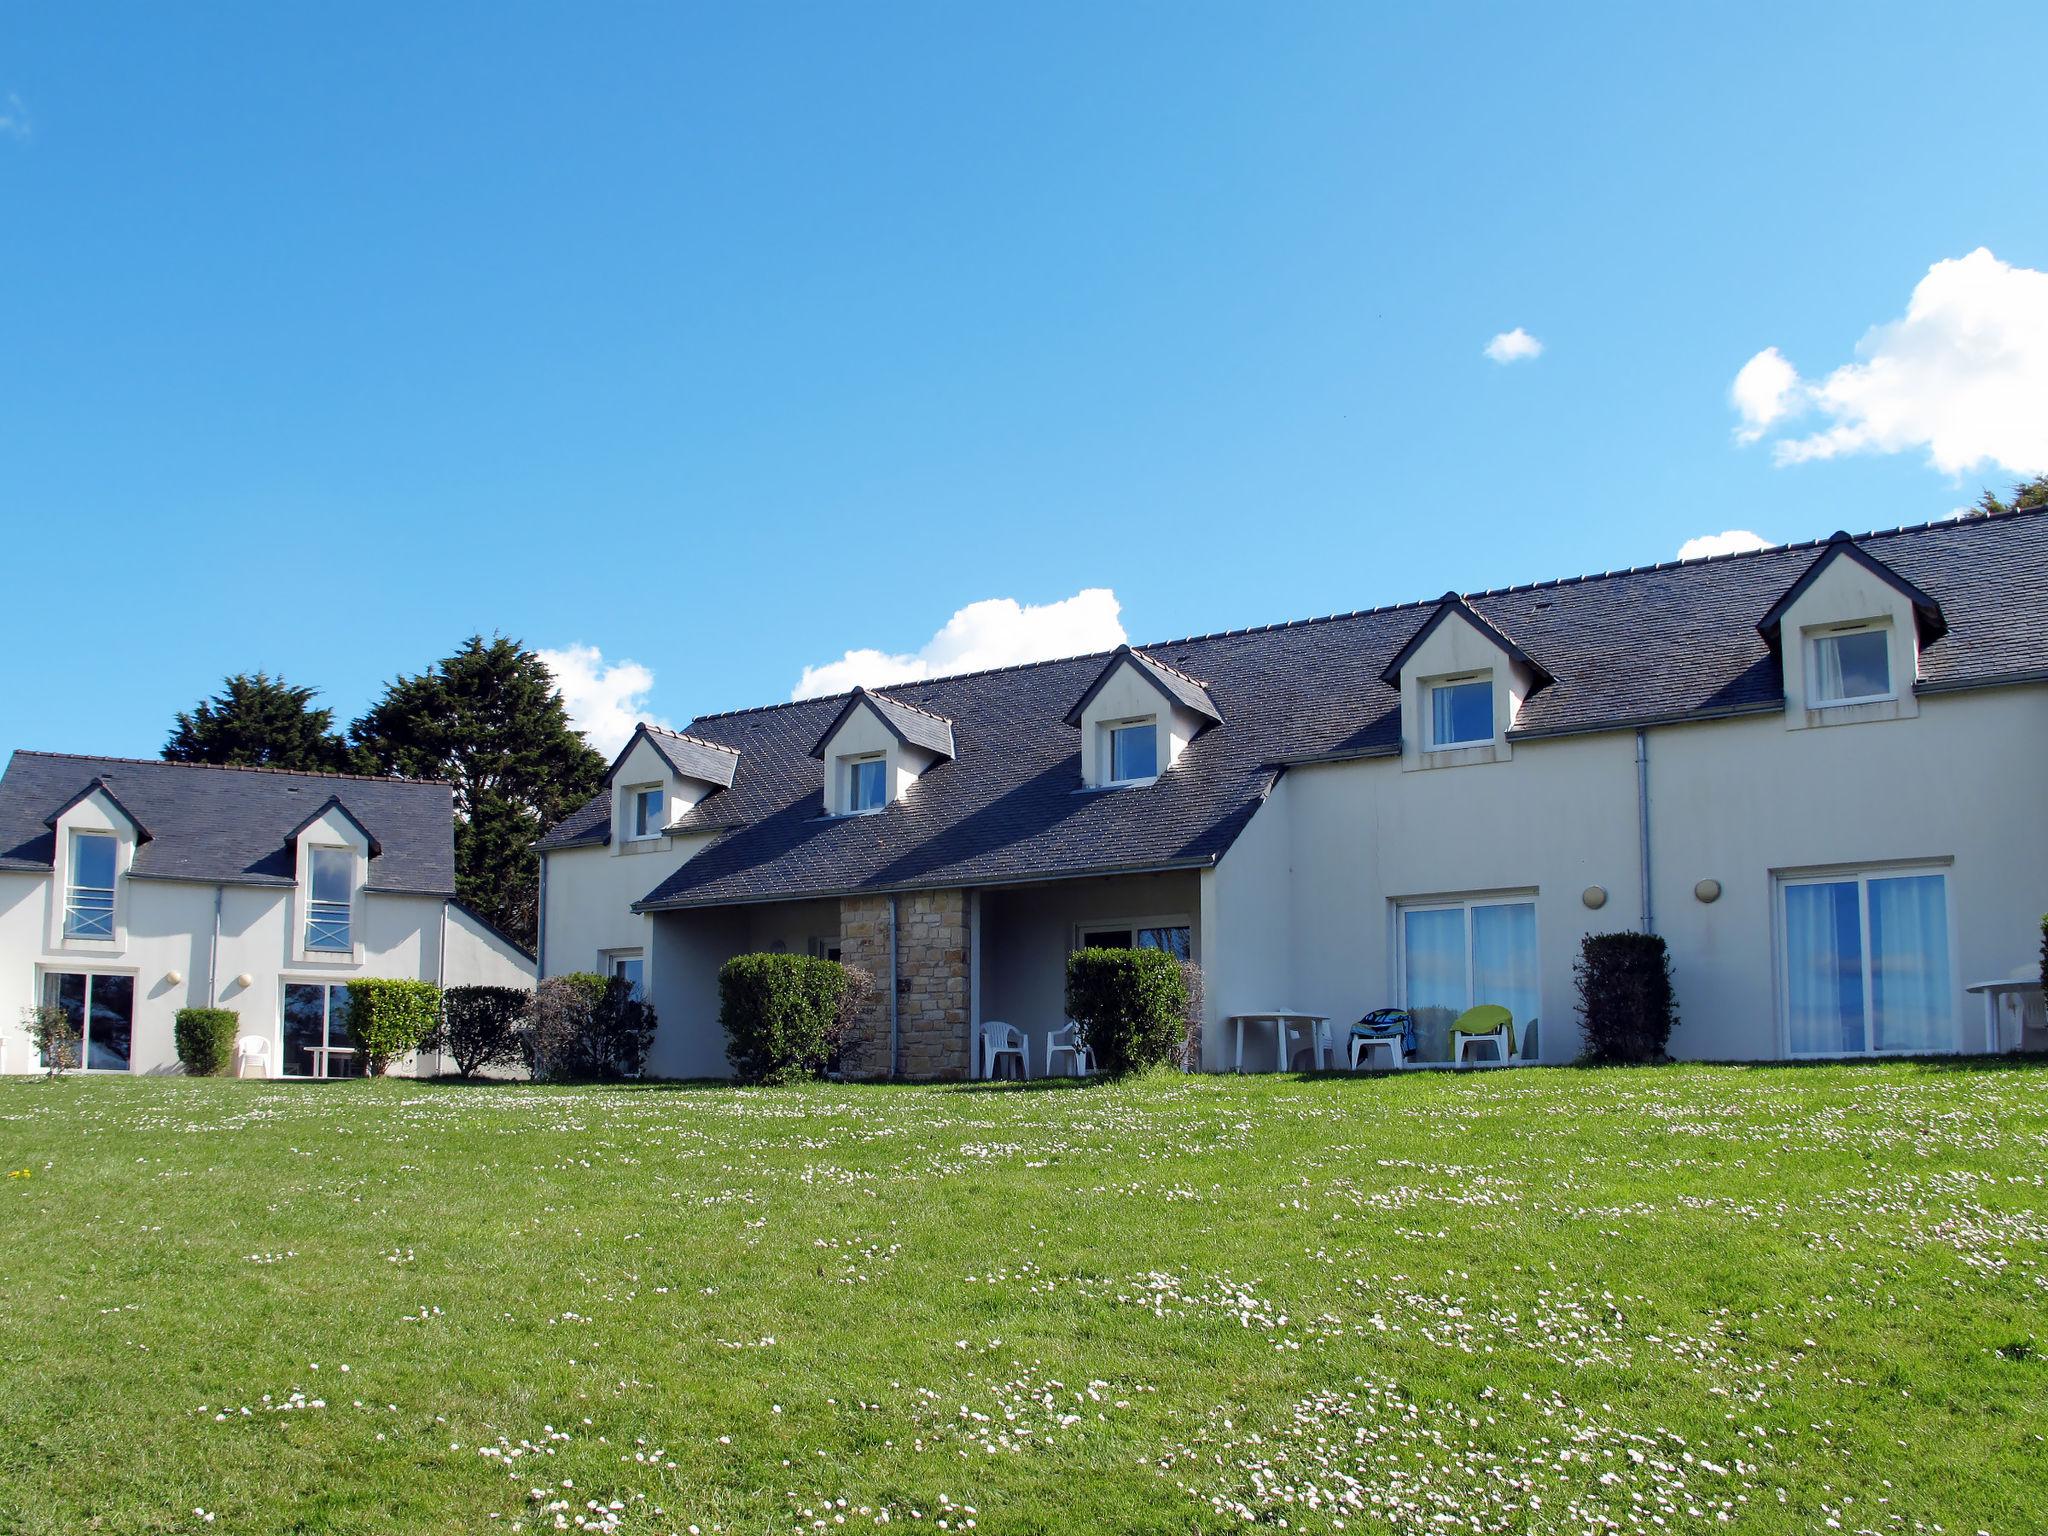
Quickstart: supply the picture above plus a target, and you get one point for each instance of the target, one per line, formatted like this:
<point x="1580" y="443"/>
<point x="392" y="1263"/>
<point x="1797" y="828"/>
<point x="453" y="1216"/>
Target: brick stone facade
<point x="933" y="982"/>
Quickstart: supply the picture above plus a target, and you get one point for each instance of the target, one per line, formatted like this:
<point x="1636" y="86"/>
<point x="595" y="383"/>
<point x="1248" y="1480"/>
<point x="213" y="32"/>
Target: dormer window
<point x="327" y="909"/>
<point x="1461" y="713"/>
<point x="647" y="813"/>
<point x="89" y="904"/>
<point x="1852" y="664"/>
<point x="1133" y="750"/>
<point x="867" y="784"/>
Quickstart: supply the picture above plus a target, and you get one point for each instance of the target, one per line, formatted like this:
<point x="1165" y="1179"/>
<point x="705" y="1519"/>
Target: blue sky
<point x="725" y="340"/>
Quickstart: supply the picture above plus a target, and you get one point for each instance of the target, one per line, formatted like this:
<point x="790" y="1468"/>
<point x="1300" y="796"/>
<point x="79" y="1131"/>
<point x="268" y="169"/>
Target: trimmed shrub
<point x="480" y="1026"/>
<point x="206" y="1039"/>
<point x="1131" y="1005"/>
<point x="1626" y="1003"/>
<point x="582" y="1025"/>
<point x="391" y="1018"/>
<point x="779" y="1014"/>
<point x="52" y="1036"/>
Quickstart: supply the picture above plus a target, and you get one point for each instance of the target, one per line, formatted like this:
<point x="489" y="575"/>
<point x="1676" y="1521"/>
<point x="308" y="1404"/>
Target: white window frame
<point x="1135" y="924"/>
<point x="72" y="889"/>
<point x="850" y="767"/>
<point x="635" y="803"/>
<point x="614" y="958"/>
<point x="1460" y="680"/>
<point x="47" y="974"/>
<point x="1109" y="729"/>
<point x="1820" y="635"/>
<point x="328" y="987"/>
<point x="322" y="912"/>
<point x="1467" y="904"/>
<point x="1862" y="874"/>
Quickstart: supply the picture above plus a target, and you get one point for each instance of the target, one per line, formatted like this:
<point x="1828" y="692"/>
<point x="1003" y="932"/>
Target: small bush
<point x="1188" y="1056"/>
<point x="780" y="1015"/>
<point x="858" y="993"/>
<point x="206" y="1039"/>
<point x="1626" y="1003"/>
<point x="582" y="1025"/>
<point x="480" y="1026"/>
<point x="391" y="1018"/>
<point x="1131" y="1005"/>
<point x="53" y="1036"/>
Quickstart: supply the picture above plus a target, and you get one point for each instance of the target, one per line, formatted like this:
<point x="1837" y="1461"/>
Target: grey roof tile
<point x="906" y="722"/>
<point x="1667" y="642"/>
<point x="231" y="825"/>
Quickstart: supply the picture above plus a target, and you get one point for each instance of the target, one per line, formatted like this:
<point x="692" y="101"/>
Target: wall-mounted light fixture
<point x="172" y="978"/>
<point x="1708" y="890"/>
<point x="1595" y="896"/>
<point x="245" y="980"/>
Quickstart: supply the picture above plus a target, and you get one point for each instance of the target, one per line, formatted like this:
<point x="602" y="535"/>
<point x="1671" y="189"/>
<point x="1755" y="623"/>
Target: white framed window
<point x="101" y="1008"/>
<point x="1173" y="934"/>
<point x="645" y="813"/>
<point x="89" y="897"/>
<point x="1461" y="713"/>
<point x="316" y="1041"/>
<point x="867" y="784"/>
<point x="628" y="966"/>
<point x="1850" y="664"/>
<point x="1460" y="953"/>
<point x="1133" y="750"/>
<point x="330" y="885"/>
<point x="1865" y="962"/>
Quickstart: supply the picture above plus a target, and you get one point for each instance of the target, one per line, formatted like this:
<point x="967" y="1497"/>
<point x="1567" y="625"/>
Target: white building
<point x="130" y="889"/>
<point x="1819" y="771"/>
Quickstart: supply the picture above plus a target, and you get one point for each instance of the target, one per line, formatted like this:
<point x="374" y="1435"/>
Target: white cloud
<point x="1963" y="374"/>
<point x="604" y="699"/>
<point x="1764" y="393"/>
<point x="1733" y="542"/>
<point x="996" y="632"/>
<point x="14" y="121"/>
<point x="1514" y="346"/>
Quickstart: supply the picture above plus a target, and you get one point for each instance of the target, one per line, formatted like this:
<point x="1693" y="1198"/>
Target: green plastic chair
<point x="1489" y="1021"/>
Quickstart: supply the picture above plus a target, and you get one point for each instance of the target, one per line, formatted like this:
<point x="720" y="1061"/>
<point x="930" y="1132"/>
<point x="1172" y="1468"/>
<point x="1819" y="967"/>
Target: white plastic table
<point x="1995" y="992"/>
<point x="1280" y="1019"/>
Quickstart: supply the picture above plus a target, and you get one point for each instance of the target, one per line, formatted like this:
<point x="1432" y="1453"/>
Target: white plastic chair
<point x="1000" y="1040"/>
<point x="1067" y="1042"/>
<point x="1315" y="1038"/>
<point x="252" y="1049"/>
<point x="1362" y="1047"/>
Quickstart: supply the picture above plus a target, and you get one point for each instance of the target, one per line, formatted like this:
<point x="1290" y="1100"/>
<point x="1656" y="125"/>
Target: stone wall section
<point x="933" y="982"/>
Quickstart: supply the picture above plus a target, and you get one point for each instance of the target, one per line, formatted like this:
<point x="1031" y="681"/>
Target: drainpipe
<point x="1643" y="824"/>
<point x="540" y="924"/>
<point x="213" y="956"/>
<point x="893" y="1008"/>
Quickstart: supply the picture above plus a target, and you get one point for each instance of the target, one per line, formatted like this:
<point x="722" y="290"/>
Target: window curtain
<point x="1824" y="968"/>
<point x="1827" y="670"/>
<point x="1443" y="704"/>
<point x="1911" y="1005"/>
<point x="1433" y="959"/>
<point x="1504" y="960"/>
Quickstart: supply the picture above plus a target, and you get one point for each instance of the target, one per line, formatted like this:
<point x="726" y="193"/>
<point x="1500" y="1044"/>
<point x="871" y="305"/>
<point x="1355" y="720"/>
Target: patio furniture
<point x="252" y="1050"/>
<point x="2026" y="996"/>
<point x="1067" y="1042"/>
<point x="1384" y="1029"/>
<point x="1532" y="1043"/>
<point x="1488" y="1023"/>
<point x="1283" y="1021"/>
<point x="1000" y="1042"/>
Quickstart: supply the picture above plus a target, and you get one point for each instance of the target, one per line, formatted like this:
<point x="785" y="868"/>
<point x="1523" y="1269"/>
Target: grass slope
<point x="1684" y="1299"/>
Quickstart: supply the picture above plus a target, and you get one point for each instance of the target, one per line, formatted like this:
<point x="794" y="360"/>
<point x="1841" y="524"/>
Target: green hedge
<point x="480" y="1026"/>
<point x="1626" y="1003"/>
<point x="391" y="1019"/>
<point x="778" y="1012"/>
<point x="1131" y="1005"/>
<point x="206" y="1039"/>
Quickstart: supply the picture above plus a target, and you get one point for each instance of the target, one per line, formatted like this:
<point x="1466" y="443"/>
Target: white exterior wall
<point x="168" y="929"/>
<point x="1739" y="801"/>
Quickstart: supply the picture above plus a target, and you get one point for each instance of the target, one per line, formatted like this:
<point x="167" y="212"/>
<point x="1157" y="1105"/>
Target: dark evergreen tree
<point x="489" y="720"/>
<point x="258" y="721"/>
<point x="2032" y="493"/>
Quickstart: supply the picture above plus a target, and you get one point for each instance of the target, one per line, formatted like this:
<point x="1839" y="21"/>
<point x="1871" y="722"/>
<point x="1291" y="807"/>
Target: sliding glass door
<point x="1866" y="960"/>
<point x="1458" y="954"/>
<point x="101" y="1008"/>
<point x="316" y="1037"/>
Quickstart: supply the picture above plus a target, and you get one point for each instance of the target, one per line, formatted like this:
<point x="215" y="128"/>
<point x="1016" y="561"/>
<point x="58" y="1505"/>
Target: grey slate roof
<point x="231" y="825"/>
<point x="1664" y="643"/>
<point x="703" y="761"/>
<point x="906" y="722"/>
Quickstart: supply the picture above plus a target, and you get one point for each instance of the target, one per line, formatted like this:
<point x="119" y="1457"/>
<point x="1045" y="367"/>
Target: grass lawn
<point x="1777" y="1299"/>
